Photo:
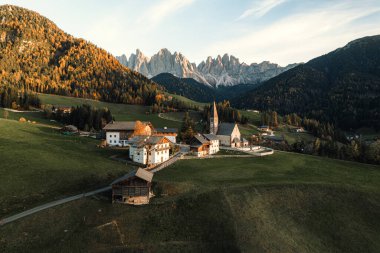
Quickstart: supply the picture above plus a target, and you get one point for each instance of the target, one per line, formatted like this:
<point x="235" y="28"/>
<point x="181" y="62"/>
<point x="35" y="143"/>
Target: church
<point x="227" y="133"/>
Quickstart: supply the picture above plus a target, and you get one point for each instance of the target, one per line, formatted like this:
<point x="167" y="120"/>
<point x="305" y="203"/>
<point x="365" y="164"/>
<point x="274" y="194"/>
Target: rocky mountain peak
<point x="222" y="70"/>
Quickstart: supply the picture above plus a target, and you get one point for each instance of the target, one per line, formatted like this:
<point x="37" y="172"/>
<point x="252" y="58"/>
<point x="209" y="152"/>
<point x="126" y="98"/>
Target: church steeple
<point x="214" y="120"/>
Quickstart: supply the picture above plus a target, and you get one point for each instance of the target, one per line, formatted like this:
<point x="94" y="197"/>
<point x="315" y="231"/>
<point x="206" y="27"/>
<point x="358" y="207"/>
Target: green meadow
<point x="280" y="203"/>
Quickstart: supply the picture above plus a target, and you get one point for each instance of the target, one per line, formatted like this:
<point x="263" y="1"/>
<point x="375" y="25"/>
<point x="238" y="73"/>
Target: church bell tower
<point x="214" y="120"/>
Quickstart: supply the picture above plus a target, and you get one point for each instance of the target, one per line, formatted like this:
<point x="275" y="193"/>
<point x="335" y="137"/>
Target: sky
<point x="279" y="31"/>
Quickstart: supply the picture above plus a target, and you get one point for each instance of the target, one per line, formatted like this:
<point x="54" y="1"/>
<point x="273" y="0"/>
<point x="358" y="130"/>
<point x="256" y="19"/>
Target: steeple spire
<point x="214" y="120"/>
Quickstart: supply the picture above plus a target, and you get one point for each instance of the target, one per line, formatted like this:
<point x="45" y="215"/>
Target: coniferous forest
<point x="342" y="87"/>
<point x="35" y="55"/>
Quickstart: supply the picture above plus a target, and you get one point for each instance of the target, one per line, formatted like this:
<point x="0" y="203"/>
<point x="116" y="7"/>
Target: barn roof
<point x="198" y="140"/>
<point x="140" y="173"/>
<point x="226" y="128"/>
<point x="211" y="137"/>
<point x="120" y="125"/>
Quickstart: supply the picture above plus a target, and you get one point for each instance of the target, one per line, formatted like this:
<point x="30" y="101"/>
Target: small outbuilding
<point x="134" y="188"/>
<point x="69" y="129"/>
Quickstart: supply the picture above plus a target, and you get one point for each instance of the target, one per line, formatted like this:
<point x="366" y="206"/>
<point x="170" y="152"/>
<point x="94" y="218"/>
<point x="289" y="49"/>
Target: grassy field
<point x="178" y="116"/>
<point x="186" y="100"/>
<point x="281" y="203"/>
<point x="32" y="116"/>
<point x="286" y="202"/>
<point x="38" y="165"/>
<point x="119" y="111"/>
<point x="292" y="137"/>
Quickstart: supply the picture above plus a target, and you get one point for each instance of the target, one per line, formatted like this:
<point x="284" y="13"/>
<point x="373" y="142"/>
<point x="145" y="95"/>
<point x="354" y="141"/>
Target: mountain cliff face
<point x="36" y="55"/>
<point x="226" y="70"/>
<point x="342" y="87"/>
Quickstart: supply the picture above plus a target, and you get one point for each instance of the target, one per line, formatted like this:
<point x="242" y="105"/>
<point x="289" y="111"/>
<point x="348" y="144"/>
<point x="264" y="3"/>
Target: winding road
<point x="51" y="204"/>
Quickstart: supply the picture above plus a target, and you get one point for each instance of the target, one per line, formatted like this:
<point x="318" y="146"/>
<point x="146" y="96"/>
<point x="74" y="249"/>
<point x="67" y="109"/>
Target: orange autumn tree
<point x="141" y="128"/>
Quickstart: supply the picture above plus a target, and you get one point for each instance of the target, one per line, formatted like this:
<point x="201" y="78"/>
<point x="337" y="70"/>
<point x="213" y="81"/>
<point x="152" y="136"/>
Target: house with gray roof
<point x="118" y="132"/>
<point x="148" y="149"/>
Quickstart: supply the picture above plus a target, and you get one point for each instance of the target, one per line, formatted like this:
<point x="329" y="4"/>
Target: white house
<point x="204" y="144"/>
<point x="118" y="132"/>
<point x="199" y="145"/>
<point x="214" y="143"/>
<point x="149" y="150"/>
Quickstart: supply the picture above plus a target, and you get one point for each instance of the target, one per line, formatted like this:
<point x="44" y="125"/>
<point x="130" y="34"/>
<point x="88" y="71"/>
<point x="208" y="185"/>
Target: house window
<point x="110" y="135"/>
<point x="114" y="136"/>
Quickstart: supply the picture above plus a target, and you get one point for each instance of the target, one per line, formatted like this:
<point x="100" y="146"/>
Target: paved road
<point x="68" y="199"/>
<point x="51" y="204"/>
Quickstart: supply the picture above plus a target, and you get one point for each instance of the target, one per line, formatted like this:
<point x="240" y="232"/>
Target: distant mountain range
<point x="192" y="89"/>
<point x="225" y="70"/>
<point x="342" y="87"/>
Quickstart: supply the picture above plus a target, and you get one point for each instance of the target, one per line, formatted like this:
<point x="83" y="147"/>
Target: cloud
<point x="163" y="9"/>
<point x="302" y="36"/>
<point x="260" y="8"/>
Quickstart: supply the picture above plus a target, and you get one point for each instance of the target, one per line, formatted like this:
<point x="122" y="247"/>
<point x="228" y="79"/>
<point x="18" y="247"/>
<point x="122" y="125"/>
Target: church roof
<point x="226" y="128"/>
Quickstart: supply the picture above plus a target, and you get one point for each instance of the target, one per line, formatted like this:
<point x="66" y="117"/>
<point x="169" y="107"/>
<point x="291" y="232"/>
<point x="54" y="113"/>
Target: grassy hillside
<point x="38" y="165"/>
<point x="281" y="203"/>
<point x="119" y="111"/>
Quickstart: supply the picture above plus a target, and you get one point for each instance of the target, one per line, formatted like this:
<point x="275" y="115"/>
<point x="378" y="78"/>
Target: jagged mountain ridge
<point x="222" y="70"/>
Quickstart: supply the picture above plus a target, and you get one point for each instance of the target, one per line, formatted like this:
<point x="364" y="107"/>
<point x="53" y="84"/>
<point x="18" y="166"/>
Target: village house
<point x="227" y="133"/>
<point x="264" y="128"/>
<point x="118" y="132"/>
<point x="199" y="145"/>
<point x="149" y="150"/>
<point x="169" y="133"/>
<point x="133" y="188"/>
<point x="204" y="144"/>
<point x="214" y="143"/>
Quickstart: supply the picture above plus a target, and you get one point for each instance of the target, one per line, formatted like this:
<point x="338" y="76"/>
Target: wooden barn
<point x="134" y="188"/>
